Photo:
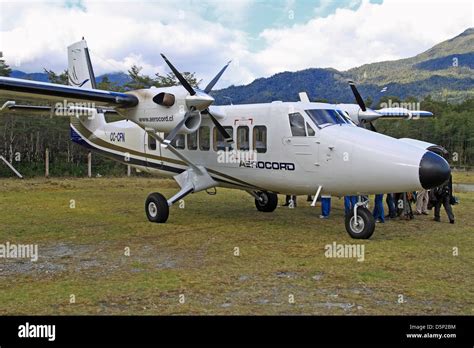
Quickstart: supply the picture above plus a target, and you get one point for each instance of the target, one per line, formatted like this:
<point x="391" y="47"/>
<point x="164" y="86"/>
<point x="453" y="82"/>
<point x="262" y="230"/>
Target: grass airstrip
<point x="98" y="254"/>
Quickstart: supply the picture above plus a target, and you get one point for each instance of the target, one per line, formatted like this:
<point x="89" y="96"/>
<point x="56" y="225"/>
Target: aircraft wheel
<point x="365" y="226"/>
<point x="269" y="203"/>
<point x="156" y="208"/>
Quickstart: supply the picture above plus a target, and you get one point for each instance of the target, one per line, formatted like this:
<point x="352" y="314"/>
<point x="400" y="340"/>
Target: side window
<point x="260" y="139"/>
<point x="297" y="125"/>
<point x="310" y="130"/>
<point x="219" y="141"/>
<point x="243" y="138"/>
<point x="192" y="141"/>
<point x="177" y="142"/>
<point x="204" y="138"/>
<point x="151" y="143"/>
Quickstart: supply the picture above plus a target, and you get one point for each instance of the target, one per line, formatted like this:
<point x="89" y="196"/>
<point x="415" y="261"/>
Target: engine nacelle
<point x="357" y="115"/>
<point x="162" y="109"/>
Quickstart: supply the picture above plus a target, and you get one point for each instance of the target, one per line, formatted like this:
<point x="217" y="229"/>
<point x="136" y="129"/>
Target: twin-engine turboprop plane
<point x="265" y="149"/>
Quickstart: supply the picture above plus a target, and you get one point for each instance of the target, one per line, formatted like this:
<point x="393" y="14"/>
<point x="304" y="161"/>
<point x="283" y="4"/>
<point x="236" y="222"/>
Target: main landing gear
<point x="194" y="179"/>
<point x="265" y="201"/>
<point x="157" y="208"/>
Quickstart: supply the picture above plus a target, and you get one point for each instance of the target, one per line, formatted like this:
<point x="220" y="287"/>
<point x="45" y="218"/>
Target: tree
<point x="171" y="80"/>
<point x="108" y="85"/>
<point x="138" y="81"/>
<point x="388" y="101"/>
<point x="61" y="79"/>
<point x="368" y="101"/>
<point x="411" y="99"/>
<point x="4" y="68"/>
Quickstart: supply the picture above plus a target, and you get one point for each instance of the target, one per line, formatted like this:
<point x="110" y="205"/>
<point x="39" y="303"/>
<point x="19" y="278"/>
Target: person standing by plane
<point x="422" y="198"/>
<point x="392" y="209"/>
<point x="378" y="212"/>
<point x="349" y="204"/>
<point x="325" y="207"/>
<point x="444" y="196"/>
<point x="290" y="201"/>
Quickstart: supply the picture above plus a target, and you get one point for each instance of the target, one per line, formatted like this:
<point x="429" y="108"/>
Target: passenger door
<point x="152" y="150"/>
<point x="303" y="142"/>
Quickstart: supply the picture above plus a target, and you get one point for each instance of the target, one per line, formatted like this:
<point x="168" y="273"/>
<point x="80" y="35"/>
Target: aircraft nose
<point x="434" y="170"/>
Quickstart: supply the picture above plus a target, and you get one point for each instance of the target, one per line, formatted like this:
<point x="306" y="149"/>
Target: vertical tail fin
<point x="80" y="69"/>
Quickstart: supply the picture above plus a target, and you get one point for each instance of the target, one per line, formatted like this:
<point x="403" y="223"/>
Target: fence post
<point x="46" y="163"/>
<point x="129" y="170"/>
<point x="89" y="164"/>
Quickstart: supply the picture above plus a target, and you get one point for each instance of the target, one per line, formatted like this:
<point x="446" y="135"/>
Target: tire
<point x="269" y="204"/>
<point x="156" y="208"/>
<point x="366" y="226"/>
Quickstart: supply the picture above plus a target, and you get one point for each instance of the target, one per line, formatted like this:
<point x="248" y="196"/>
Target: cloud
<point x="200" y="36"/>
<point x="347" y="38"/>
<point x="119" y="34"/>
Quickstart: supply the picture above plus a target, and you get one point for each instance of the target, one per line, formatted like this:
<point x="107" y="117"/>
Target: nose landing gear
<point x="361" y="224"/>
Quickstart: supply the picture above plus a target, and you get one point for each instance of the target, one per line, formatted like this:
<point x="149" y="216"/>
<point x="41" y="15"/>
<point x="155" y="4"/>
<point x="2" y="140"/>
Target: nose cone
<point x="200" y="100"/>
<point x="434" y="170"/>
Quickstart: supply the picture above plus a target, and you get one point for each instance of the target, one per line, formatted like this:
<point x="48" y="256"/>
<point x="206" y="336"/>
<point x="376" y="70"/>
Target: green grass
<point x="463" y="177"/>
<point x="81" y="252"/>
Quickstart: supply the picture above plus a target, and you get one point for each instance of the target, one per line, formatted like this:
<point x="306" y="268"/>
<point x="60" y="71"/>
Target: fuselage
<point x="285" y="148"/>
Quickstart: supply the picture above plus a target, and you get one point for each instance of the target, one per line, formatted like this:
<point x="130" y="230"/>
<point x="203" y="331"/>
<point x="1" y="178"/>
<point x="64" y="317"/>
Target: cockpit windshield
<point x="323" y="118"/>
<point x="346" y="117"/>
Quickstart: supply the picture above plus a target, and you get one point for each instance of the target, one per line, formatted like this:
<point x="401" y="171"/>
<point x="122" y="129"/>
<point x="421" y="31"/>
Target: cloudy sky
<point x="262" y="37"/>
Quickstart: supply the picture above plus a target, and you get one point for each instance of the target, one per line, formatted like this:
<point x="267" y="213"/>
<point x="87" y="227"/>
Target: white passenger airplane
<point x="281" y="148"/>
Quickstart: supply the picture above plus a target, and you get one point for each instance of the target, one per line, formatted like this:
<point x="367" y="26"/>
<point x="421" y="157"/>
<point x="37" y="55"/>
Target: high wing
<point x="394" y="113"/>
<point x="364" y="116"/>
<point x="17" y="89"/>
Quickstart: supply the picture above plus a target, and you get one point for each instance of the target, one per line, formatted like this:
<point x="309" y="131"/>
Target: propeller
<point x="198" y="101"/>
<point x="176" y="129"/>
<point x="367" y="115"/>
<point x="216" y="78"/>
<point x="228" y="138"/>
<point x="357" y="96"/>
<point x="180" y="77"/>
<point x="369" y="125"/>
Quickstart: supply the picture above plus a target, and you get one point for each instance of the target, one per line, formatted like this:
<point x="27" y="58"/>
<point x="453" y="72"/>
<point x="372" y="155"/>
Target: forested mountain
<point x="446" y="71"/>
<point x="118" y="78"/>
